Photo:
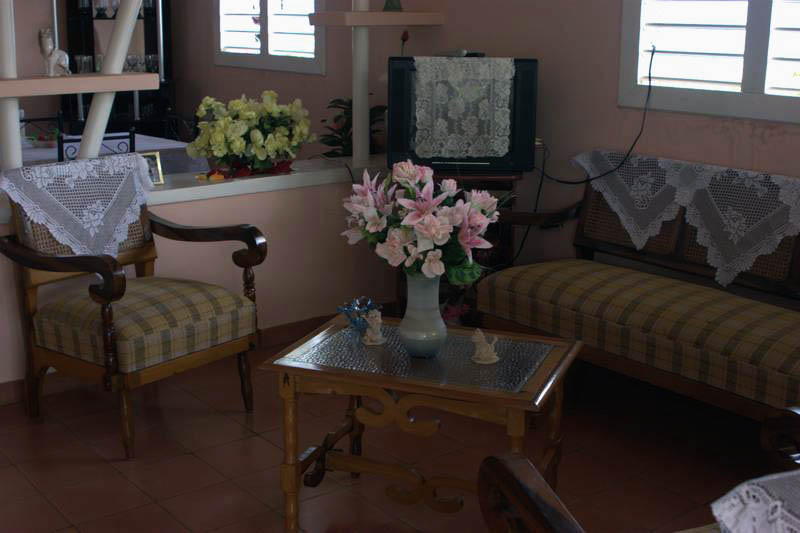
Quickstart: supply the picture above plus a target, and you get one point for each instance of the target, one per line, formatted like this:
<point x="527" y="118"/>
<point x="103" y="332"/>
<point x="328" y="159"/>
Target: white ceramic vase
<point x="422" y="330"/>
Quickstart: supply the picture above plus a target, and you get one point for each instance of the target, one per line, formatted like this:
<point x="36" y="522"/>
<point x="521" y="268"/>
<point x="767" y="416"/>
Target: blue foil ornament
<point x="356" y="312"/>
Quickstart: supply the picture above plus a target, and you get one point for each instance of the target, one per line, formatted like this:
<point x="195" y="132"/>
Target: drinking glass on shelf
<point x="83" y="64"/>
<point x="151" y="62"/>
<point x="101" y="8"/>
<point x="98" y="62"/>
<point x="130" y="63"/>
<point x="85" y="5"/>
<point x="114" y="8"/>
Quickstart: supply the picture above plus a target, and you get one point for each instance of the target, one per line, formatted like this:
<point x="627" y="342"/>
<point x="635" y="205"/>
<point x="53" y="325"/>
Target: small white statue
<point x="372" y="335"/>
<point x="485" y="353"/>
<point x="56" y="62"/>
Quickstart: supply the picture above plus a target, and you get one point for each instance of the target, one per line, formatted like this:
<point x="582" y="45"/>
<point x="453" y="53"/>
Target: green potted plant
<point x="340" y="128"/>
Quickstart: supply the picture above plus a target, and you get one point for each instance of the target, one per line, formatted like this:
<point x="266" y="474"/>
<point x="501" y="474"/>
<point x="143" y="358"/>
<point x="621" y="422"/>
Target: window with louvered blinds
<point x="722" y="57"/>
<point x="290" y="34"/>
<point x="699" y="44"/>
<point x="270" y="34"/>
<point x="783" y="59"/>
<point x="239" y="26"/>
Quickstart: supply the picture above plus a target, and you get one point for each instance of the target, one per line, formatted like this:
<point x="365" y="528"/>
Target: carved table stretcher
<point x="526" y="385"/>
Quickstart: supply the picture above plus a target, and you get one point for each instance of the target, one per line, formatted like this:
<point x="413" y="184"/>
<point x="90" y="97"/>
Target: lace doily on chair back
<point x="88" y="206"/>
<point x="463" y="106"/>
<point x="739" y="215"/>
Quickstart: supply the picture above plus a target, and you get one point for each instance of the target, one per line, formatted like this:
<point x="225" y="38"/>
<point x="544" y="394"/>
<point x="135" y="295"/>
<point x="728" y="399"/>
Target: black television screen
<point x="467" y="151"/>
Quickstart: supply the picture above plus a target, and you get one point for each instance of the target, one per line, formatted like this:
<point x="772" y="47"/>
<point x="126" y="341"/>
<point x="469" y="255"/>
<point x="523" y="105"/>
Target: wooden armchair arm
<point x="552" y="218"/>
<point x="256" y="243"/>
<point x="515" y="497"/>
<point x="112" y="288"/>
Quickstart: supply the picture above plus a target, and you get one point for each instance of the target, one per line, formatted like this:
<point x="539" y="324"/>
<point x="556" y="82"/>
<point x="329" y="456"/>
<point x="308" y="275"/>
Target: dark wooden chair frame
<point x="514" y="497"/>
<point x="68" y="145"/>
<point x="678" y="235"/>
<point x="39" y="269"/>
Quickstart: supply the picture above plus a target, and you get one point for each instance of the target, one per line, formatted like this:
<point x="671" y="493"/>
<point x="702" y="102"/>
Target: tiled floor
<point x="635" y="459"/>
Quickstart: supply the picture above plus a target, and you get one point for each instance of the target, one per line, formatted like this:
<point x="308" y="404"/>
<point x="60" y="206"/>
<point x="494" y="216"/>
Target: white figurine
<point x="56" y="62"/>
<point x="485" y="353"/>
<point x="373" y="336"/>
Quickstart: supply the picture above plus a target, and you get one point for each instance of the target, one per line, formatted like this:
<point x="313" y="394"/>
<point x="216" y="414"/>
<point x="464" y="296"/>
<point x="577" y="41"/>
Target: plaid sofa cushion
<point x="157" y="320"/>
<point x="734" y="343"/>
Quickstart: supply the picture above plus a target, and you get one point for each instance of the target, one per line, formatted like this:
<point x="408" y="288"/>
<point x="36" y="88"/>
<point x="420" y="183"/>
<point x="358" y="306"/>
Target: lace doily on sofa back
<point x="643" y="208"/>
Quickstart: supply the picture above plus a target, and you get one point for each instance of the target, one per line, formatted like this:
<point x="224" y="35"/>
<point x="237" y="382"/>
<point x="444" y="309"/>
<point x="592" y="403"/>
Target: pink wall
<point x="577" y="44"/>
<point x="29" y="18"/>
<point x="309" y="270"/>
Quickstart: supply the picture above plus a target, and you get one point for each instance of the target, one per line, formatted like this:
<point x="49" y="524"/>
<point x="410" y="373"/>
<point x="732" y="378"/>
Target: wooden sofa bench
<point x="660" y="317"/>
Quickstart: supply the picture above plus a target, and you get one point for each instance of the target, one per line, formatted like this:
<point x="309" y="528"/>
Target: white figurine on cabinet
<point x="56" y="62"/>
<point x="372" y="335"/>
<point x="485" y="353"/>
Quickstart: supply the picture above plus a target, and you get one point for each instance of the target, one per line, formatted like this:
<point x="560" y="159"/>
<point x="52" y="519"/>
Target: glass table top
<point x="343" y="350"/>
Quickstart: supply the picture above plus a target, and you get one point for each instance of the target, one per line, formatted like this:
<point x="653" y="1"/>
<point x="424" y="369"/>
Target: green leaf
<point x="464" y="274"/>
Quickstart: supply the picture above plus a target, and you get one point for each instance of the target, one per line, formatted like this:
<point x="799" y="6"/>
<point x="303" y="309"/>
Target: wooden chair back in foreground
<point x="515" y="498"/>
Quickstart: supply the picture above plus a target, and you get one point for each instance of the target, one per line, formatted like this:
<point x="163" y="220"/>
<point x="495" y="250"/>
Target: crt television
<point x="402" y="123"/>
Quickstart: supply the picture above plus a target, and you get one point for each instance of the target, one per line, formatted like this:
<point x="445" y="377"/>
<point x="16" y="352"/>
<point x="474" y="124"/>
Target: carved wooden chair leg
<point x="126" y="417"/>
<point x="244" y="377"/>
<point x="34" y="381"/>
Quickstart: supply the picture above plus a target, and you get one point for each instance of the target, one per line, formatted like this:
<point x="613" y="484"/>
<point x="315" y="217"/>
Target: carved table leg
<point x="515" y="427"/>
<point x="357" y="432"/>
<point x="552" y="445"/>
<point x="290" y="472"/>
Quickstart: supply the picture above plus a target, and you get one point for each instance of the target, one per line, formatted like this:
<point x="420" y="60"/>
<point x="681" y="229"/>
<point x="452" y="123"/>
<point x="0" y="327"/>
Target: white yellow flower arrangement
<point x="249" y="135"/>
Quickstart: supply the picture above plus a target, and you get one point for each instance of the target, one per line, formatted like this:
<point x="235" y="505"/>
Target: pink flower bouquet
<point x="427" y="228"/>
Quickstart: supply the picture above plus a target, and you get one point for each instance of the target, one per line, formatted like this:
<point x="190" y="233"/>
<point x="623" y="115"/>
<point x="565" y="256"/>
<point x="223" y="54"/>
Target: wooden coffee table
<point x="527" y="382"/>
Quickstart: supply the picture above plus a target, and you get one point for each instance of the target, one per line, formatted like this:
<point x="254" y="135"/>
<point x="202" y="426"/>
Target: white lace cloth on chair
<point x="770" y="504"/>
<point x="739" y="214"/>
<point x="463" y="106"/>
<point x="86" y="204"/>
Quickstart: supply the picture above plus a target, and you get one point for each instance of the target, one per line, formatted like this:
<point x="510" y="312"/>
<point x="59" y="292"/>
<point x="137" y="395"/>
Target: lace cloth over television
<point x="463" y="106"/>
<point x="739" y="214"/>
<point x="769" y="504"/>
<point x="86" y="204"/>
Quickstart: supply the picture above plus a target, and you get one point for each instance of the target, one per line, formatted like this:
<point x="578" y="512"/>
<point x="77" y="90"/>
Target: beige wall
<point x="577" y="44"/>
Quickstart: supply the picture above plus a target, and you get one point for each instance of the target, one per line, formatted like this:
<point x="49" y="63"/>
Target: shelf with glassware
<point x="88" y="29"/>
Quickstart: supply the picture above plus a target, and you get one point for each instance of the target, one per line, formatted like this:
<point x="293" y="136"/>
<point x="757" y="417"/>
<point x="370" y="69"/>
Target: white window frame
<point x="750" y="103"/>
<point x="267" y="61"/>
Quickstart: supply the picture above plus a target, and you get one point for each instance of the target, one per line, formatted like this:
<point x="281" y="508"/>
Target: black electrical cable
<point x="635" y="141"/>
<point x="545" y="156"/>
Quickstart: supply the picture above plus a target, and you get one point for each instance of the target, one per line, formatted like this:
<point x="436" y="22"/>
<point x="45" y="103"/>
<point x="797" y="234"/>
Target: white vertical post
<point x="113" y="61"/>
<point x="360" y="89"/>
<point x="10" y="139"/>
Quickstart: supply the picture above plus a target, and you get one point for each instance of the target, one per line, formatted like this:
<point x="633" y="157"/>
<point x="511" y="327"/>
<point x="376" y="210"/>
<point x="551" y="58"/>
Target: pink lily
<point x="469" y="236"/>
<point x="424" y="204"/>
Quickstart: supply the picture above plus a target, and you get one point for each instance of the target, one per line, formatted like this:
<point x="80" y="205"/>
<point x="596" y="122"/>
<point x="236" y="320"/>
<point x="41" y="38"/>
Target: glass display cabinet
<point x="86" y="27"/>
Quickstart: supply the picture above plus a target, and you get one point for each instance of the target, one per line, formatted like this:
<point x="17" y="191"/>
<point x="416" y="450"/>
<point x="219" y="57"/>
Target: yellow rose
<point x="238" y="145"/>
<point x="217" y="138"/>
<point x="256" y="137"/>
